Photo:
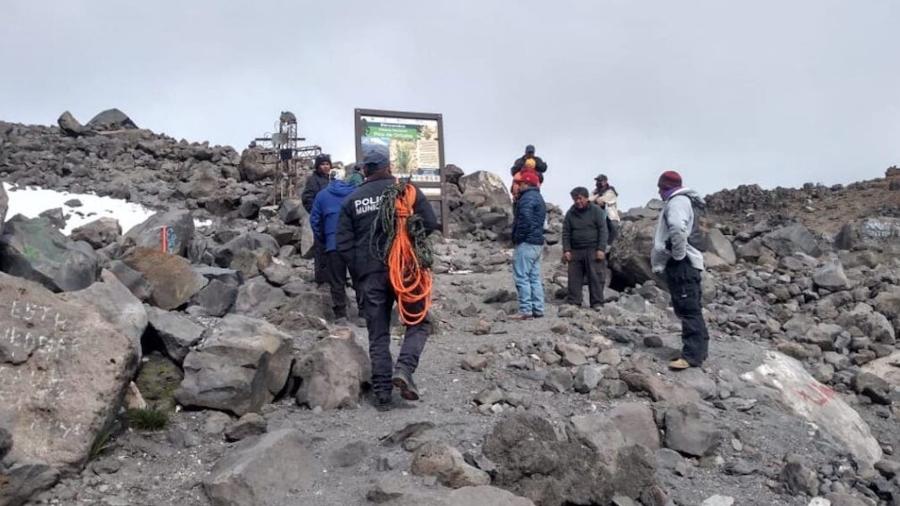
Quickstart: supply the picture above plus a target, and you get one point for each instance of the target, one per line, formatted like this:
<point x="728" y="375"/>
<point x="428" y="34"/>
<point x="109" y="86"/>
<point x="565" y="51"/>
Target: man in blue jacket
<point x="323" y="220"/>
<point x="528" y="237"/>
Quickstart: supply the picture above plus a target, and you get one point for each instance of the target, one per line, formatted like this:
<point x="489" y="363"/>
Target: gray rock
<point x="587" y="377"/>
<point x="558" y="380"/>
<point x="799" y="477"/>
<point x="277" y="274"/>
<point x="33" y="249"/>
<point x="831" y="276"/>
<point x="698" y="380"/>
<point x="117" y="304"/>
<point x="132" y="279"/>
<point x="483" y="188"/>
<point x="448" y="465"/>
<point x="257" y="297"/>
<point x="250" y="241"/>
<point x="688" y="433"/>
<point x="69" y="125"/>
<point x="719" y="245"/>
<point x="636" y="423"/>
<point x="111" y="119"/>
<point x="251" y="424"/>
<point x="216" y="298"/>
<point x="718" y="500"/>
<point x="23" y="481"/>
<point x="879" y="232"/>
<point x="841" y="499"/>
<point x="4" y="206"/>
<point x="180" y="226"/>
<point x="350" y="454"/>
<point x="177" y="332"/>
<point x="229" y="277"/>
<point x="291" y="212"/>
<point x="239" y="367"/>
<point x="572" y="354"/>
<point x="64" y="371"/>
<point x="791" y="239"/>
<point x="249" y="208"/>
<point x="98" y="233"/>
<point x="873" y="387"/>
<point x="172" y="280"/>
<point x="252" y="167"/>
<point x="332" y="373"/>
<point x="268" y="471"/>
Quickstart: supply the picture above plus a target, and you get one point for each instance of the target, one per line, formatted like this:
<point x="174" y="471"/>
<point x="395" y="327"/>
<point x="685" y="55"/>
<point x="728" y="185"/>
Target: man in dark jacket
<point x="316" y="182"/>
<point x="323" y="222"/>
<point x="584" y="245"/>
<point x="539" y="165"/>
<point x="357" y="242"/>
<point x="528" y="237"/>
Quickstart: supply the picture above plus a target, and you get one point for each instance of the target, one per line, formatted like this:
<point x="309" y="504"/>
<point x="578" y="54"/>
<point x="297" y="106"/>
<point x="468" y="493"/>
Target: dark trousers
<point x="337" y="279"/>
<point x="684" y="286"/>
<point x="377" y="301"/>
<point x="585" y="267"/>
<point x="320" y="263"/>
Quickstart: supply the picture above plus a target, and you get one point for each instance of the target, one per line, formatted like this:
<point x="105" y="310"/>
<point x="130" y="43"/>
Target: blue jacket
<point x="326" y="210"/>
<point x="530" y="215"/>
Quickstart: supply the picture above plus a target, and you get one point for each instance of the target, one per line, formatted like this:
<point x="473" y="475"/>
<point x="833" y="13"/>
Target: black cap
<point x="375" y="156"/>
<point x="601" y="177"/>
<point x="529" y="148"/>
<point x="322" y="159"/>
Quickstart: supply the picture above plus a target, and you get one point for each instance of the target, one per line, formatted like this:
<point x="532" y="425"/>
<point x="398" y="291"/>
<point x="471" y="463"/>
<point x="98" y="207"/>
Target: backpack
<point x="696" y="238"/>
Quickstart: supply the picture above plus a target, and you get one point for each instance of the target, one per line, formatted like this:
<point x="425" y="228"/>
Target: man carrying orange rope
<point x="361" y="238"/>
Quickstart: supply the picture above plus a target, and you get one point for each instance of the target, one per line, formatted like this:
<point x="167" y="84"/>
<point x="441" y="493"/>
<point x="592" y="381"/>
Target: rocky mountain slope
<point x="210" y="372"/>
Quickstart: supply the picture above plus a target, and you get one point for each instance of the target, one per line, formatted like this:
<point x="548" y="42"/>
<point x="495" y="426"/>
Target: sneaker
<point x="403" y="380"/>
<point x="521" y="316"/>
<point x="679" y="364"/>
<point x="537" y="315"/>
<point x="382" y="401"/>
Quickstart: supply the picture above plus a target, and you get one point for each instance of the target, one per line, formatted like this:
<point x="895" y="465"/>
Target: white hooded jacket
<point x="674" y="226"/>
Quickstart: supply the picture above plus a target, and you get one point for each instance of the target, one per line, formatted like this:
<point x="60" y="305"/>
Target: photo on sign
<point x="413" y="145"/>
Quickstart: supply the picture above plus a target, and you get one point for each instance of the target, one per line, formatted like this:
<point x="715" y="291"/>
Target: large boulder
<point x="111" y="119"/>
<point x="98" y="233"/>
<point x="332" y="373"/>
<point x="787" y="380"/>
<point x="117" y="304"/>
<point x="172" y="280"/>
<point x="484" y="188"/>
<point x="629" y="259"/>
<point x="534" y="462"/>
<point x="886" y="368"/>
<point x="63" y="372"/>
<point x="252" y="166"/>
<point x="257" y="298"/>
<point x="274" y="469"/>
<point x="880" y="232"/>
<point x="791" y="239"/>
<point x="247" y="242"/>
<point x="177" y="332"/>
<point x="69" y="125"/>
<point x="689" y="433"/>
<point x="215" y="299"/>
<point x="448" y="465"/>
<point x="831" y="276"/>
<point x="34" y="249"/>
<point x="719" y="245"/>
<point x="241" y="365"/>
<point x="180" y="232"/>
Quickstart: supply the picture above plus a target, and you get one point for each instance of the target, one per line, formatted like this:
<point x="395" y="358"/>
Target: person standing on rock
<point x="584" y="248"/>
<point x="539" y="165"/>
<point x="323" y="221"/>
<point x="682" y="263"/>
<point x="359" y="238"/>
<point x="607" y="197"/>
<point x="528" y="237"/>
<point x="316" y="182"/>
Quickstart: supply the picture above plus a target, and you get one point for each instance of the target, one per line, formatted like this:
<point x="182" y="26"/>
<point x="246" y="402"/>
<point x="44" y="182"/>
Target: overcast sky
<point x="768" y="92"/>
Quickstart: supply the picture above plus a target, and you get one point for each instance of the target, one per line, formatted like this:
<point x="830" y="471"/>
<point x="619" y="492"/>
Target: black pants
<point x="337" y="279"/>
<point x="585" y="266"/>
<point x="320" y="264"/>
<point x="377" y="300"/>
<point x="684" y="286"/>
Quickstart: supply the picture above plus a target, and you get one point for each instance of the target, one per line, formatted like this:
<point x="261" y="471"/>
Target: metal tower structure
<point x="283" y="149"/>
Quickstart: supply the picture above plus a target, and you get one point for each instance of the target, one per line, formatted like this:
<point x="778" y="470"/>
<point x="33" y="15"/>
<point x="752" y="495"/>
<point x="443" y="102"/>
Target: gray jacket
<point x="674" y="226"/>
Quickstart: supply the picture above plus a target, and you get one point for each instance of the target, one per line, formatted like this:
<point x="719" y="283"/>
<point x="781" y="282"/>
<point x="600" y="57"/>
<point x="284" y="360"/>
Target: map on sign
<point x="413" y="144"/>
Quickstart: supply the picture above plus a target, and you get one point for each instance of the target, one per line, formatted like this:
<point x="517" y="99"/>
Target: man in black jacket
<point x="357" y="242"/>
<point x="539" y="165"/>
<point x="316" y="182"/>
<point x="584" y="245"/>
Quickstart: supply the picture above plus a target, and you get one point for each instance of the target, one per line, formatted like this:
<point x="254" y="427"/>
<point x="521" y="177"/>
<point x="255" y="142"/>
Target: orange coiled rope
<point x="410" y="279"/>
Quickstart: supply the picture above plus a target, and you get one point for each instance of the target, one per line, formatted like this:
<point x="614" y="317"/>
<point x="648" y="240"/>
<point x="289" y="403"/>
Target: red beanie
<point x="530" y="177"/>
<point x="669" y="179"/>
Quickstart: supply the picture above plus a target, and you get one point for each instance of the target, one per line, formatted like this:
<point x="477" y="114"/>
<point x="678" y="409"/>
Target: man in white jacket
<point x="682" y="263"/>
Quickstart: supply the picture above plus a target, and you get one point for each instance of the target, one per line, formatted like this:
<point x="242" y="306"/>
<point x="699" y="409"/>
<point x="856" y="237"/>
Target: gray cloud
<point x="777" y="93"/>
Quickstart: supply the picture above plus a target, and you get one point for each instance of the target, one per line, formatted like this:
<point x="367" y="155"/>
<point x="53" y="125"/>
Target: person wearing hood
<point x="607" y="197"/>
<point x="316" y="182"/>
<point x="323" y="221"/>
<point x="682" y="264"/>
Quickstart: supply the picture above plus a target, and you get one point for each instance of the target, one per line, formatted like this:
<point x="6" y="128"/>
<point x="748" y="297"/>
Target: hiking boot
<point x="597" y="307"/>
<point x="521" y="316"/>
<point x="382" y="401"/>
<point x="679" y="364"/>
<point x="403" y="380"/>
<point x="537" y="315"/>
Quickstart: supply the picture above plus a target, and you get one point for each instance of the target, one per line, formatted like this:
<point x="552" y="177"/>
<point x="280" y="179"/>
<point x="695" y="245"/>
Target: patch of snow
<point x="32" y="201"/>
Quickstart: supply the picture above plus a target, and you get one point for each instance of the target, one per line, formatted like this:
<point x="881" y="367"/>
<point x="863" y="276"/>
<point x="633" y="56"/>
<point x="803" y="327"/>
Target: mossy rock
<point x="158" y="380"/>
